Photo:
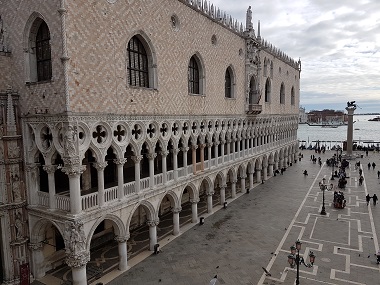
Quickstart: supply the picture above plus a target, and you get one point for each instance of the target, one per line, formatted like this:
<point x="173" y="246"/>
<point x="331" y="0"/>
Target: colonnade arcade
<point x="94" y="182"/>
<point x="74" y="239"/>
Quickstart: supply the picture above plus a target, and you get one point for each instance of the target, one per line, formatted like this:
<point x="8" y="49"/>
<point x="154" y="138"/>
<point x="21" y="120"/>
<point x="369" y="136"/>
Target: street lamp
<point x="295" y="259"/>
<point x="323" y="187"/>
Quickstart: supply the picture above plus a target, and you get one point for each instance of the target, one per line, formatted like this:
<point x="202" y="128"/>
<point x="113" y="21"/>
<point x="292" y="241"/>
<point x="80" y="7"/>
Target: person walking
<point x="378" y="174"/>
<point x="374" y="197"/>
<point x="367" y="198"/>
<point x="373" y="165"/>
<point x="369" y="165"/>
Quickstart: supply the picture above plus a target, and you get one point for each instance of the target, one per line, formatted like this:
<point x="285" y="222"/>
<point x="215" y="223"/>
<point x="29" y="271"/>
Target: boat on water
<point x="329" y="124"/>
<point x="376" y="119"/>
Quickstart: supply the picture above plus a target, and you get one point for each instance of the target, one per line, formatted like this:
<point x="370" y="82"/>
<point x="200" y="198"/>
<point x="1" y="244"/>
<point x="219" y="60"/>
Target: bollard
<point x="225" y="205"/>
<point x="201" y="220"/>
<point x="156" y="248"/>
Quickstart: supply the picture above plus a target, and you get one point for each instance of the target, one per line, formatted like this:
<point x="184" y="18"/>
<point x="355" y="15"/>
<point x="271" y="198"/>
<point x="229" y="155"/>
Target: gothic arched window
<point x="43" y="53"/>
<point x="282" y="94"/>
<point x="193" y="76"/>
<point x="138" y="69"/>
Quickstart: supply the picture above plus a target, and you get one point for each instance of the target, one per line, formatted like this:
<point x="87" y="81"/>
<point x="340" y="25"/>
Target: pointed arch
<point x="141" y="61"/>
<point x="196" y="75"/>
<point x="267" y="90"/>
<point x="282" y="93"/>
<point x="37" y="46"/>
<point x="229" y="82"/>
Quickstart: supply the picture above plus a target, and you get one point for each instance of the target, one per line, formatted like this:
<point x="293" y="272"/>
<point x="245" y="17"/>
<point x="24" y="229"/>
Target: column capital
<point x="177" y="210"/>
<point x="234" y="181"/>
<point x="153" y="223"/>
<point x="194" y="200"/>
<point x="258" y="169"/>
<point x="50" y="169"/>
<point x="223" y="186"/>
<point x="35" y="245"/>
<point x="137" y="158"/>
<point x="202" y="145"/>
<point x="121" y="239"/>
<point x="194" y="147"/>
<point x="175" y="151"/>
<point x="185" y="149"/>
<point x="223" y="141"/>
<point x="151" y="156"/>
<point x="100" y="165"/>
<point x="229" y="141"/>
<point x="119" y="161"/>
<point x="210" y="193"/>
<point x="216" y="143"/>
<point x="78" y="259"/>
<point x="164" y="153"/>
<point x="29" y="167"/>
<point x="209" y="144"/>
<point x="243" y="176"/>
<point x="73" y="170"/>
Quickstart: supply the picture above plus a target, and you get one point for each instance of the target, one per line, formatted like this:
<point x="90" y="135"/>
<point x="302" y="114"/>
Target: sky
<point x="338" y="42"/>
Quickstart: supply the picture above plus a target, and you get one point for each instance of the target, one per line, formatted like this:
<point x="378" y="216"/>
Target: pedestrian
<point x="366" y="152"/>
<point x="360" y="171"/>
<point x="378" y="174"/>
<point x="367" y="198"/>
<point x="373" y="165"/>
<point x="374" y="197"/>
<point x="369" y="165"/>
<point x="305" y="172"/>
<point x="361" y="180"/>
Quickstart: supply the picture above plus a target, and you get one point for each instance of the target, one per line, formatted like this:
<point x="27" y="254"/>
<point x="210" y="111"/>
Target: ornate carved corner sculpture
<point x="75" y="238"/>
<point x="16" y="191"/>
<point x="69" y="141"/>
<point x="19" y="226"/>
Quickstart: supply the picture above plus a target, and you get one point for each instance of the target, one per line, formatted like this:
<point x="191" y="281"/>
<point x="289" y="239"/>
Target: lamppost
<point x="295" y="259"/>
<point x="323" y="187"/>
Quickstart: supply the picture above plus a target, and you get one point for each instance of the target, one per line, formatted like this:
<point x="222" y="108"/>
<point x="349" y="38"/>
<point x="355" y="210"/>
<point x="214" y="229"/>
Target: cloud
<point x="338" y="42"/>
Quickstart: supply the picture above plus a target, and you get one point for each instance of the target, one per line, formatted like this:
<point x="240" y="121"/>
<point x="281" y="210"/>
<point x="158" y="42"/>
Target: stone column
<point x="32" y="182"/>
<point x="228" y="148"/>
<point x="194" y="158"/>
<point x="152" y="233"/>
<point x="100" y="166"/>
<point x="222" y="194"/>
<point x="350" y="127"/>
<point x="222" y="150"/>
<point x="237" y="142"/>
<point x="202" y="154"/>
<point x="123" y="253"/>
<point x="250" y="180"/>
<point x="194" y="210"/>
<point x="50" y="169"/>
<point x="137" y="159"/>
<point x="164" y="154"/>
<point x="243" y="144"/>
<point x="151" y="157"/>
<point x="258" y="175"/>
<point x="265" y="171"/>
<point x="233" y="188"/>
<point x="185" y="149"/>
<point x="209" y="145"/>
<point x="38" y="260"/>
<point x="120" y="177"/>
<point x="176" y="212"/>
<point x="175" y="163"/>
<point x="74" y="172"/>
<point x="216" y="153"/>
<point x="242" y="182"/>
<point x="270" y="169"/>
<point x="209" y="202"/>
<point x="78" y="262"/>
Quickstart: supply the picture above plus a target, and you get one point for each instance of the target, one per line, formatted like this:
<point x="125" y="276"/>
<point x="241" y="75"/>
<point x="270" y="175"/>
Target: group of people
<point x="374" y="199"/>
<point x="339" y="201"/>
<point x="373" y="165"/>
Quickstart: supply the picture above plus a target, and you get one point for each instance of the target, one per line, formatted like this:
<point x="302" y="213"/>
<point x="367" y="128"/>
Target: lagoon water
<point x="364" y="131"/>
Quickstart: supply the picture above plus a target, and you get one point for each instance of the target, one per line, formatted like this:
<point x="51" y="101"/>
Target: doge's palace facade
<point x="115" y="113"/>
